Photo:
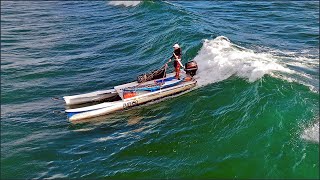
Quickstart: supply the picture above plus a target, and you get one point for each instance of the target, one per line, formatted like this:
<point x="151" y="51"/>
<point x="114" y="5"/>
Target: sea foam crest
<point x="124" y="3"/>
<point x="311" y="133"/>
<point x="218" y="59"/>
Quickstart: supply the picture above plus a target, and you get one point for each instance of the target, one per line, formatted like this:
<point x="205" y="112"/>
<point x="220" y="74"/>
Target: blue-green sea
<point x="254" y="113"/>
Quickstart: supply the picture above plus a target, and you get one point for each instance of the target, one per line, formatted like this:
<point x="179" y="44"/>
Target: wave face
<point x="255" y="113"/>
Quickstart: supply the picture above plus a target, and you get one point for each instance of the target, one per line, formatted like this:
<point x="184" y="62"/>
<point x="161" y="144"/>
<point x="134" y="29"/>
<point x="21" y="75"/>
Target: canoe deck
<point x="166" y="82"/>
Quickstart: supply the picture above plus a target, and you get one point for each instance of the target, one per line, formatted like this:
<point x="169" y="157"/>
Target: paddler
<point x="177" y="60"/>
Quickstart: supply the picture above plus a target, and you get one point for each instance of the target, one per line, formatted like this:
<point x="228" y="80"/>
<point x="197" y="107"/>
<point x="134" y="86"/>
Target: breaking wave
<point x="219" y="59"/>
<point x="124" y="3"/>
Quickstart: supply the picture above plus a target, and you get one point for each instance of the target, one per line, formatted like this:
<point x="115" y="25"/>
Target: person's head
<point x="176" y="46"/>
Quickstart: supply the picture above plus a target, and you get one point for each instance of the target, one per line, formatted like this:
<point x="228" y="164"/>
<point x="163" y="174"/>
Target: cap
<point x="176" y="46"/>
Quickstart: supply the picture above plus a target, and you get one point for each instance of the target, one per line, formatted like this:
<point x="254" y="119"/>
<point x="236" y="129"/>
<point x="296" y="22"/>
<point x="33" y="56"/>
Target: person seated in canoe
<point x="177" y="60"/>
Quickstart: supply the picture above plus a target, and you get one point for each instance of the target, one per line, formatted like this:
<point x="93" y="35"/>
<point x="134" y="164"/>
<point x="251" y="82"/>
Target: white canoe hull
<point x="89" y="97"/>
<point x="110" y="107"/>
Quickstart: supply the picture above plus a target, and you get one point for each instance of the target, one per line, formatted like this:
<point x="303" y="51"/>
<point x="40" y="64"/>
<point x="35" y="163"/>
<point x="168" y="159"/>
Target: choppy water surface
<point x="255" y="115"/>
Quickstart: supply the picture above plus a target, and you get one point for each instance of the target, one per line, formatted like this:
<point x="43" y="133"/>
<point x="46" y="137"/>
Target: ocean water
<point x="255" y="113"/>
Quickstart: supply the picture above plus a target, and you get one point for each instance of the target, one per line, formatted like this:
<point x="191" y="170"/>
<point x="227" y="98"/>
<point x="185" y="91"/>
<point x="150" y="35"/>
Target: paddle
<point x="178" y="62"/>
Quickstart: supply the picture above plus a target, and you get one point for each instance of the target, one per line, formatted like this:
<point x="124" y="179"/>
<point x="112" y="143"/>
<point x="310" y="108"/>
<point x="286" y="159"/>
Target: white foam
<point x="103" y="139"/>
<point x="83" y="130"/>
<point x="57" y="176"/>
<point x="311" y="133"/>
<point x="124" y="3"/>
<point x="219" y="59"/>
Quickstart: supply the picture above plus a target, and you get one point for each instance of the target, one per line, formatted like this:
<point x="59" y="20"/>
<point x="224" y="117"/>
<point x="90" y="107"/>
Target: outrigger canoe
<point x="126" y="96"/>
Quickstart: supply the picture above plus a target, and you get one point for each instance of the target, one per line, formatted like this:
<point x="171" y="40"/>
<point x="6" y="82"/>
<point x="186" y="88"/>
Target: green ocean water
<point x="255" y="113"/>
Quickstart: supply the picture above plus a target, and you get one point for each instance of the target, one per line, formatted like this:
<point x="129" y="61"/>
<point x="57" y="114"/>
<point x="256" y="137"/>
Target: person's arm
<point x="173" y="55"/>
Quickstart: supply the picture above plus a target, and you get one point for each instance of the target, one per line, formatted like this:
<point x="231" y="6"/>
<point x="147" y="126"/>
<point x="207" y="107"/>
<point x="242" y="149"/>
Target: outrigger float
<point x="144" y="90"/>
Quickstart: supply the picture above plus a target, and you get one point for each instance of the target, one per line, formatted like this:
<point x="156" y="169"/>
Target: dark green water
<point x="254" y="115"/>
